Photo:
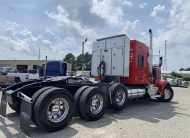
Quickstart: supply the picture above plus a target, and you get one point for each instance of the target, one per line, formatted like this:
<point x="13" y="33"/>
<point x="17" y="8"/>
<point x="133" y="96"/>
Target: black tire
<point x="17" y="102"/>
<point x="108" y="96"/>
<point x="77" y="97"/>
<point x="17" y="80"/>
<point x="35" y="97"/>
<point x="115" y="88"/>
<point x="39" y="92"/>
<point x="16" y="105"/>
<point x="42" y="104"/>
<point x="163" y="97"/>
<point x="186" y="85"/>
<point x="85" y="102"/>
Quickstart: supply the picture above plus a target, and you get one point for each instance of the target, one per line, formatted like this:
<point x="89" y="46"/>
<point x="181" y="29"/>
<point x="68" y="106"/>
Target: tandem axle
<point x="56" y="101"/>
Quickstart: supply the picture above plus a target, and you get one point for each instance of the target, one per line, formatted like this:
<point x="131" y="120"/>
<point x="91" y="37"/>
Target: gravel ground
<point x="140" y="119"/>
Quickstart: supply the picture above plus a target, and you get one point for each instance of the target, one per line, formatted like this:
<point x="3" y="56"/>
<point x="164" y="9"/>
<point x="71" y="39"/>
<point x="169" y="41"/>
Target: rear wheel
<point x="53" y="109"/>
<point x="119" y="96"/>
<point x="17" y="102"/>
<point x="39" y="92"/>
<point x="36" y="95"/>
<point x="92" y="104"/>
<point x="167" y="95"/>
<point x="77" y="97"/>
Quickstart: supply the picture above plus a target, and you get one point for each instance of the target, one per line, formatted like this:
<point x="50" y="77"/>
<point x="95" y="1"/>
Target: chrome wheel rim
<point x="96" y="104"/>
<point x="167" y="93"/>
<point x="120" y="97"/>
<point x="58" y="110"/>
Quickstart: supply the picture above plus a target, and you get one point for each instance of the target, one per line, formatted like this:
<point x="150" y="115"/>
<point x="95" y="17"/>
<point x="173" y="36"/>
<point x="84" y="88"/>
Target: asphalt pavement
<point x="143" y="119"/>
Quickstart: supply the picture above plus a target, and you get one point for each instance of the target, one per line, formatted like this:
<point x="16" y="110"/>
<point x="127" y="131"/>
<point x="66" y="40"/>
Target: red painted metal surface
<point x="161" y="85"/>
<point x="157" y="79"/>
<point x="137" y="75"/>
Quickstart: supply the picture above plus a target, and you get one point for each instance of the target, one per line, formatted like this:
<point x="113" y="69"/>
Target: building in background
<point x="23" y="65"/>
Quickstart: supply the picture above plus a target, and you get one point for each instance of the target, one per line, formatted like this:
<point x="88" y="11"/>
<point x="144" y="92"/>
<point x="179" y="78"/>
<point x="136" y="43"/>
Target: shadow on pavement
<point x="67" y="132"/>
<point x="10" y="126"/>
<point x="146" y="110"/>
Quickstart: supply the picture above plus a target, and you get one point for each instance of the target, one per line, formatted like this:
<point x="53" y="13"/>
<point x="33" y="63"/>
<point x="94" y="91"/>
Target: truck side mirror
<point x="160" y="61"/>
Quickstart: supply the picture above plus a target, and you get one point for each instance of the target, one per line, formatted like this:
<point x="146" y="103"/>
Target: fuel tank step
<point x="155" y="96"/>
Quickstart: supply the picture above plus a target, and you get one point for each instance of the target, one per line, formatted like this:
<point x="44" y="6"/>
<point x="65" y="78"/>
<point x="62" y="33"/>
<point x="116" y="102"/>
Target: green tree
<point x="70" y="58"/>
<point x="78" y="61"/>
<point x="87" y="61"/>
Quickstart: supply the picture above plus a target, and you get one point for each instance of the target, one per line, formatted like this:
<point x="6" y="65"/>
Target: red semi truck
<point x="124" y="70"/>
<point x="129" y="62"/>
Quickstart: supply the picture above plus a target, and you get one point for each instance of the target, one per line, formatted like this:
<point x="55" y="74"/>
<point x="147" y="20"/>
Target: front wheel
<point x="168" y="94"/>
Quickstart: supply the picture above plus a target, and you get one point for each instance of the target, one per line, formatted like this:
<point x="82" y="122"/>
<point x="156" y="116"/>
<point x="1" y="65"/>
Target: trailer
<point x="124" y="71"/>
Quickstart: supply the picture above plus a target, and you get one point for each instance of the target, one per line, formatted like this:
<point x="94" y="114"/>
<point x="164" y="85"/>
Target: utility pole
<point x="165" y="67"/>
<point x="39" y="54"/>
<point x="159" y="53"/>
<point x="83" y="56"/>
<point x="45" y="67"/>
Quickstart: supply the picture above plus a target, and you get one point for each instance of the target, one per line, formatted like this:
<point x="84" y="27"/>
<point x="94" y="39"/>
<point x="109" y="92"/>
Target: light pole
<point x="83" y="56"/>
<point x="165" y="57"/>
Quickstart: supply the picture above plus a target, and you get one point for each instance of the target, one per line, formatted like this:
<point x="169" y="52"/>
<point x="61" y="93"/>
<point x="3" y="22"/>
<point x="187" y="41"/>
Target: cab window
<point x="140" y="61"/>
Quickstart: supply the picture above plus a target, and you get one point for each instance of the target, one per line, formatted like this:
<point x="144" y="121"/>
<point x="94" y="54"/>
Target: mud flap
<point x="25" y="113"/>
<point x="3" y="106"/>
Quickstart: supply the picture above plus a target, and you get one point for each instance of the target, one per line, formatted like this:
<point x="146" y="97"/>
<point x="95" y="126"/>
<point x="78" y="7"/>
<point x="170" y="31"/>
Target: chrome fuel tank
<point x="134" y="93"/>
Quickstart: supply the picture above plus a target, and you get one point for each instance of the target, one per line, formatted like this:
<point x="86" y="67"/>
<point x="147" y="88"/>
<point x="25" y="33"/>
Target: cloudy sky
<point x="59" y="26"/>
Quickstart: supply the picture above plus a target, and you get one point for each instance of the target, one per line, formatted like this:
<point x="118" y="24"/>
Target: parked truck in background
<point x="53" y="68"/>
<point x="125" y="72"/>
<point x="9" y="75"/>
<point x="175" y="81"/>
<point x="181" y="82"/>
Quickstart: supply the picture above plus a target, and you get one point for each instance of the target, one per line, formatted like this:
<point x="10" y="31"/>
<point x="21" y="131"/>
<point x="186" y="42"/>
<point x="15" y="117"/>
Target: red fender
<point x="161" y="85"/>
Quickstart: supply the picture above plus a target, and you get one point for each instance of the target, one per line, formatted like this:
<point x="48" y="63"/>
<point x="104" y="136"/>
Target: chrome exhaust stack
<point x="150" y="58"/>
<point x="150" y="32"/>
